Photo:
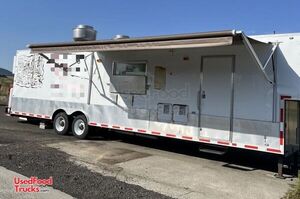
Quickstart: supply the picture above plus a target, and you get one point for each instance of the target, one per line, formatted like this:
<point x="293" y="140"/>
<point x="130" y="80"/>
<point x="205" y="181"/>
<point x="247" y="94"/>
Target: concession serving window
<point x="129" y="78"/>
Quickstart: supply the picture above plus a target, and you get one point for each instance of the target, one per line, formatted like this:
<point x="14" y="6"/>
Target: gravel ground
<point x="31" y="159"/>
<point x="23" y="150"/>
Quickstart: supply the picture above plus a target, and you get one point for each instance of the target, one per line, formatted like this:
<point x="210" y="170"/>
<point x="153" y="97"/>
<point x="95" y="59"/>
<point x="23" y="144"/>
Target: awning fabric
<point x="186" y="43"/>
<point x="194" y="40"/>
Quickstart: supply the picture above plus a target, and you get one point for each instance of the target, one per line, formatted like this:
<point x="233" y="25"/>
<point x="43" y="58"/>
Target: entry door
<point x="216" y="92"/>
<point x="292" y="121"/>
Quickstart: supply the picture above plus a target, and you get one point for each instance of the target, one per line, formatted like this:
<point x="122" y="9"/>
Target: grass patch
<point x="5" y="83"/>
<point x="294" y="192"/>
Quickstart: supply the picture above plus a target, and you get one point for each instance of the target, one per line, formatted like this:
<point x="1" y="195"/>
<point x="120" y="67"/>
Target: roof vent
<point x="84" y="33"/>
<point x="121" y="37"/>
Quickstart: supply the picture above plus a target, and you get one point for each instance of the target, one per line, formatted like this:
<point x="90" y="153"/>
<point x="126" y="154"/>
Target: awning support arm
<point x="270" y="56"/>
<point x="255" y="57"/>
<point x="91" y="78"/>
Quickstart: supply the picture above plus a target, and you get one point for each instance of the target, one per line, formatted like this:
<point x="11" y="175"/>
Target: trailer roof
<point x="192" y="40"/>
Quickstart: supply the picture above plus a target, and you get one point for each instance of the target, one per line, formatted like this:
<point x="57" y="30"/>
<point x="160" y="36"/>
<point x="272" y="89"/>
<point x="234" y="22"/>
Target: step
<point x="212" y="151"/>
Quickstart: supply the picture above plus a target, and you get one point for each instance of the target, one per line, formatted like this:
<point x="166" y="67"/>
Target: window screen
<point x="129" y="69"/>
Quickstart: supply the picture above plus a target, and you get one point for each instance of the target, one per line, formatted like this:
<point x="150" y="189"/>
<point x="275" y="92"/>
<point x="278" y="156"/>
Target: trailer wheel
<point x="61" y="123"/>
<point x="80" y="127"/>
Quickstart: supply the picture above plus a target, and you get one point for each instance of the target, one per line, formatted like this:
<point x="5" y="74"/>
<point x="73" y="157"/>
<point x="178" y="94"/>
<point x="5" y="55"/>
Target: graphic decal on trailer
<point x="30" y="71"/>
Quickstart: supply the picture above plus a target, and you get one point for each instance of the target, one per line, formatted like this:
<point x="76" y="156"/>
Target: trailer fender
<point x="73" y="113"/>
<point x="56" y="112"/>
<point x="76" y="113"/>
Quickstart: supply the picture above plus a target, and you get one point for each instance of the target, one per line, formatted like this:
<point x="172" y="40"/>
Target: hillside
<point x="6" y="81"/>
<point x="4" y="72"/>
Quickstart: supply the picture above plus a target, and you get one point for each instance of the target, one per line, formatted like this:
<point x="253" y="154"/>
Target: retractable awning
<point x="194" y="40"/>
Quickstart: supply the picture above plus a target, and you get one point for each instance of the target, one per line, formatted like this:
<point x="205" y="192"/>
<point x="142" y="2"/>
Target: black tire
<point x="61" y="123"/>
<point x="80" y="127"/>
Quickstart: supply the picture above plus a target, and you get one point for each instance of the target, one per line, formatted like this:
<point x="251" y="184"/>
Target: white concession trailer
<point x="220" y="88"/>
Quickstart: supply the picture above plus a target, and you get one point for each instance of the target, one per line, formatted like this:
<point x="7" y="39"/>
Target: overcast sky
<point x="35" y="21"/>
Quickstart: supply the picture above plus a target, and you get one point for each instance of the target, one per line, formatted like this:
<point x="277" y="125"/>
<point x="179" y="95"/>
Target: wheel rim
<point x="79" y="127"/>
<point x="60" y="123"/>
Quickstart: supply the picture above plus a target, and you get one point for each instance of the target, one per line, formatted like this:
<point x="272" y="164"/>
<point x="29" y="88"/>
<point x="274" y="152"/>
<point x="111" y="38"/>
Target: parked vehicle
<point x="220" y="88"/>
